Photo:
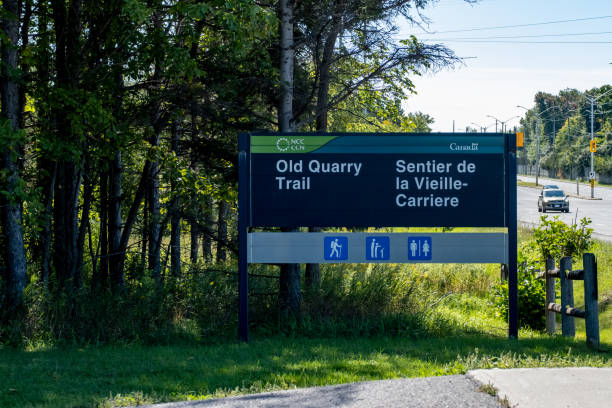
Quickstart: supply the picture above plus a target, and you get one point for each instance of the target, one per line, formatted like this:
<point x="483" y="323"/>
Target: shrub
<point x="531" y="291"/>
<point x="555" y="238"/>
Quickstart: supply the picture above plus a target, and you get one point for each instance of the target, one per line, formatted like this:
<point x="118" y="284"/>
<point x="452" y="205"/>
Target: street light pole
<point x="538" y="124"/>
<point x="501" y="122"/>
<point x="482" y="128"/>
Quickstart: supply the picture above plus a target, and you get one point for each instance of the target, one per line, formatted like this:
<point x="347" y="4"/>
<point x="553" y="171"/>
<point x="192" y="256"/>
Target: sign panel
<point x="427" y="180"/>
<point x="362" y="247"/>
<point x="371" y="180"/>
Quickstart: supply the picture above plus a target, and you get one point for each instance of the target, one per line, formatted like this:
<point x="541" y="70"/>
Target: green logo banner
<point x="379" y="143"/>
<point x="288" y="144"/>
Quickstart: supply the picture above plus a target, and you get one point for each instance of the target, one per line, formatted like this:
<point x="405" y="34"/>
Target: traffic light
<point x="593" y="146"/>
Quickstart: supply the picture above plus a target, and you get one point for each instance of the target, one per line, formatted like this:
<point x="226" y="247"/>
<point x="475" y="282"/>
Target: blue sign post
<point x="371" y="180"/>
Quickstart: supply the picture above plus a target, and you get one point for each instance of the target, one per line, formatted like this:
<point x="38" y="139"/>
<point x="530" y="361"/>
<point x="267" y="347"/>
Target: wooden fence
<point x="566" y="308"/>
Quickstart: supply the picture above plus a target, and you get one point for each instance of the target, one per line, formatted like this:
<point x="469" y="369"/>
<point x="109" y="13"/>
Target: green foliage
<point x="556" y="239"/>
<point x="366" y="300"/>
<point x="531" y="292"/>
<point x="200" y="305"/>
<point x="565" y="132"/>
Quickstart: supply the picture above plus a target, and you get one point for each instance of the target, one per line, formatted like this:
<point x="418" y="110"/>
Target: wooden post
<point x="504" y="272"/>
<point x="551" y="323"/>
<point x="590" y="300"/>
<point x="244" y="221"/>
<point x="510" y="148"/>
<point x="568" y="327"/>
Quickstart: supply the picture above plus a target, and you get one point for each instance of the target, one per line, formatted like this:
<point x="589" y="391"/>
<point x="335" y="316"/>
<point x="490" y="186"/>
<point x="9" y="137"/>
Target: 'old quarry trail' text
<point x="314" y="166"/>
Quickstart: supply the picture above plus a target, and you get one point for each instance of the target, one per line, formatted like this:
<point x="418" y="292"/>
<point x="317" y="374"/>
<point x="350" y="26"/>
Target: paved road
<point x="598" y="211"/>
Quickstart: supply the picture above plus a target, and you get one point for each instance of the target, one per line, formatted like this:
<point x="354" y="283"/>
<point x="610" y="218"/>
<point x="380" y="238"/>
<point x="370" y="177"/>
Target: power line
<point x="523" y="25"/>
<point x="520" y="36"/>
<point x="527" y="42"/>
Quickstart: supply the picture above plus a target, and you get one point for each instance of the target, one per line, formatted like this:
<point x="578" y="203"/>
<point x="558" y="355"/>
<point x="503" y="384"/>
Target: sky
<point x="545" y="53"/>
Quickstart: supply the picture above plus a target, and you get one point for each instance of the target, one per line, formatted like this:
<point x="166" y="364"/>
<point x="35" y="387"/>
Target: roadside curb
<point x="584" y="198"/>
<point x="569" y="195"/>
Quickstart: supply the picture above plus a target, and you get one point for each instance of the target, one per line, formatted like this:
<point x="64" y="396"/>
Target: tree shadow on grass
<point x="90" y="376"/>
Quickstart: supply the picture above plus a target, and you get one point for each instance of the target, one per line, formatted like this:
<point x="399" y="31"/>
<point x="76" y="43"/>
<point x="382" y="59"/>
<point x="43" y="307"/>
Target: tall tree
<point x="11" y="142"/>
<point x="289" y="293"/>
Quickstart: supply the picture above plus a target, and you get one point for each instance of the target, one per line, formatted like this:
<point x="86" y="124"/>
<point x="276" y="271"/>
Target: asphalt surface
<point x="569" y="387"/>
<point x="581" y="205"/>
<point x="454" y="391"/>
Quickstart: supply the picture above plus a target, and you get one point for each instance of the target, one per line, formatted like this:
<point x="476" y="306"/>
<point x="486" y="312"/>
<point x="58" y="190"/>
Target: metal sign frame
<point x="285" y="247"/>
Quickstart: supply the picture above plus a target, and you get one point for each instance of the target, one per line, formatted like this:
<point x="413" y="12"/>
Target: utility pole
<point x="592" y="173"/>
<point x="592" y="100"/>
<point x="538" y="125"/>
<point x="569" y="133"/>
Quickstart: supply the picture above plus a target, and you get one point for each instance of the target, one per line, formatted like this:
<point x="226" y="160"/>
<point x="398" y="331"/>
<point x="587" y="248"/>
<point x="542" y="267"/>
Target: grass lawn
<point x="131" y="375"/>
<point x="522" y="183"/>
<point x="116" y="376"/>
<point x="107" y="377"/>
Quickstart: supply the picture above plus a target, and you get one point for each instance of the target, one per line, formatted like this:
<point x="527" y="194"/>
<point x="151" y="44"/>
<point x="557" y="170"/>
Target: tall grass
<point x="412" y="300"/>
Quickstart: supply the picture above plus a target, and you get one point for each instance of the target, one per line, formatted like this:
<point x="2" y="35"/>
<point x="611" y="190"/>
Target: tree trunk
<point x="222" y="231"/>
<point x="154" y="216"/>
<point x="47" y="182"/>
<point x="84" y="225"/>
<point x="194" y="233"/>
<point x="65" y="224"/>
<point x="25" y="40"/>
<point x="99" y="278"/>
<point x="195" y="211"/>
<point x="131" y="219"/>
<point x="144" y="234"/>
<point x="175" y="217"/>
<point x="114" y="224"/>
<point x="324" y="68"/>
<point x="47" y="167"/>
<point x="68" y="58"/>
<point x="10" y="207"/>
<point x="154" y="219"/>
<point x="289" y="292"/>
<point x="285" y="111"/>
<point x="312" y="274"/>
<point x="207" y="233"/>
